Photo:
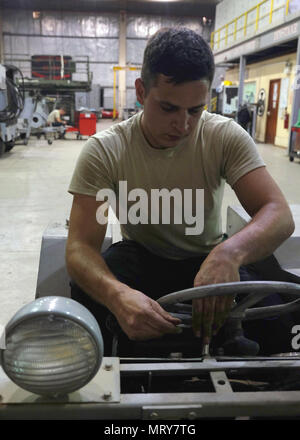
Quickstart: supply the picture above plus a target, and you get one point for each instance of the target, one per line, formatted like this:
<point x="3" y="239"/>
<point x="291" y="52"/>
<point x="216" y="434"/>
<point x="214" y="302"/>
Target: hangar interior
<point x="86" y="55"/>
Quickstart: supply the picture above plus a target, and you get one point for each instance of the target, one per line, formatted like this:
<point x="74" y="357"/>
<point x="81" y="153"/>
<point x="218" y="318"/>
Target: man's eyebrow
<point x="177" y="107"/>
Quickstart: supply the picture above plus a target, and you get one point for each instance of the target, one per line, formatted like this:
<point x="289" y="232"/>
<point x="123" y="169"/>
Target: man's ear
<point x="140" y="91"/>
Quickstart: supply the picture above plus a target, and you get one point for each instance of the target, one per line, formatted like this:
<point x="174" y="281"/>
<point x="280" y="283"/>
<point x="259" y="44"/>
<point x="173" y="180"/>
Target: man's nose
<point x="181" y="123"/>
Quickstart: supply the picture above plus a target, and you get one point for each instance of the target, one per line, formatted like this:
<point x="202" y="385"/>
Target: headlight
<point x="53" y="346"/>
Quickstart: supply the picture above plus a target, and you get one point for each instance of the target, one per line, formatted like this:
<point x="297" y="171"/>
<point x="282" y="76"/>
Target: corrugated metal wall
<point x="91" y="40"/>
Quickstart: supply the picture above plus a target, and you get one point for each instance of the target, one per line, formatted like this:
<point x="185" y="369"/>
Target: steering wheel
<point x="257" y="290"/>
<point x="236" y="342"/>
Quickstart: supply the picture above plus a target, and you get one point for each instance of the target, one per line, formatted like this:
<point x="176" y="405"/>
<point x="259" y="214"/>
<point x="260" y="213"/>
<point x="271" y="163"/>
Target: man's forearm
<point x="89" y="270"/>
<point x="272" y="225"/>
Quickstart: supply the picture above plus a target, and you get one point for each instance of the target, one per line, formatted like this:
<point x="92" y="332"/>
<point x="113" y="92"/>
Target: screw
<point x="107" y="396"/>
<point x="154" y="416"/>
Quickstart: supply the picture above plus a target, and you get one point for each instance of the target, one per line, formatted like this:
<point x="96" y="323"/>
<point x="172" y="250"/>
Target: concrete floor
<point x="33" y="194"/>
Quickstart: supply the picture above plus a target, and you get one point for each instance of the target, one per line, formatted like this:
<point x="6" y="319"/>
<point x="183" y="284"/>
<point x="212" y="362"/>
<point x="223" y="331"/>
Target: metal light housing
<point x="54" y="346"/>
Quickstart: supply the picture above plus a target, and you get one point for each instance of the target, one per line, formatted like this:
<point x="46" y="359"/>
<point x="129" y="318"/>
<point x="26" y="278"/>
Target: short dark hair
<point x="179" y="53"/>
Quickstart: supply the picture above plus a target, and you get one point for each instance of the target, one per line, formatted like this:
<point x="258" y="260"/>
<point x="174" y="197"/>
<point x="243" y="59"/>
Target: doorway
<point x="272" y="113"/>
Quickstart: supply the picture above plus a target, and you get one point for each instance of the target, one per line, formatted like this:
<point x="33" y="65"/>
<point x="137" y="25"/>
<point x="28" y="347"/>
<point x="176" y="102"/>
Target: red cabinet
<point x="86" y="123"/>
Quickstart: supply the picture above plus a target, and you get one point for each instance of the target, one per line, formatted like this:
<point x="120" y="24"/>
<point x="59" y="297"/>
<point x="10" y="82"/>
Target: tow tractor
<point x="53" y="365"/>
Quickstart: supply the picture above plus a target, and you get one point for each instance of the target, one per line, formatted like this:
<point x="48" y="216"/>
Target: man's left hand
<point x="209" y="314"/>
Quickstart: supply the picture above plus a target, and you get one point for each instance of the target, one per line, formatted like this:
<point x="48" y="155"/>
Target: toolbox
<point x="85" y="124"/>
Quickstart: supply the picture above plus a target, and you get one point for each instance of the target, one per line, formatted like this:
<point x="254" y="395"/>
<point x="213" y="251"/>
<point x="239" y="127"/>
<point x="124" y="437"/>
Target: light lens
<point x="50" y="355"/>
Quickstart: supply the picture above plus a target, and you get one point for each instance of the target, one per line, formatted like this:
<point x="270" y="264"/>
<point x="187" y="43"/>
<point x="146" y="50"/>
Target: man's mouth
<point x="173" y="138"/>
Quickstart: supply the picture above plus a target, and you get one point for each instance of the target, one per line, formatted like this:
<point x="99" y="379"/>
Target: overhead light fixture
<point x="53" y="346"/>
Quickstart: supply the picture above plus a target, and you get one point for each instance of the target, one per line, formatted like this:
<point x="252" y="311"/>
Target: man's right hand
<point x="142" y="318"/>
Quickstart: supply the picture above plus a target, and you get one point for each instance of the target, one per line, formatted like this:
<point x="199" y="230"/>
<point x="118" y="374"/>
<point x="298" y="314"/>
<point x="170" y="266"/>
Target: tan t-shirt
<point x="217" y="151"/>
<point x="53" y="116"/>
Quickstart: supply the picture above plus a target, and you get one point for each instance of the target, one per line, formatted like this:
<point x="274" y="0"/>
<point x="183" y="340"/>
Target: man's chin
<point x="169" y="142"/>
<point x="166" y="142"/>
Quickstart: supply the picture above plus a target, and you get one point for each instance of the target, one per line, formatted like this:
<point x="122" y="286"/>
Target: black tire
<point x="2" y="147"/>
<point x="9" y="146"/>
<point x="49" y="141"/>
<point x="291" y="158"/>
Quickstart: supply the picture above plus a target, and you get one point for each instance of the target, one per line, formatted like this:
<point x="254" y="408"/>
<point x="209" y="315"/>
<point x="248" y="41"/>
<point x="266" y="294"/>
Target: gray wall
<point x="92" y="38"/>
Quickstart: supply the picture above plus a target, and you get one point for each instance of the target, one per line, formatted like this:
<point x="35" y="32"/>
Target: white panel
<point x="102" y="74"/>
<point x="52" y="23"/>
<point x="108" y="98"/>
<point x="74" y="47"/>
<point x="72" y="25"/>
<point x="19" y="45"/>
<point x="17" y="21"/>
<point x="93" y="98"/>
<point x="135" y="50"/>
<point x="25" y="68"/>
<point x="130" y="98"/>
<point x="80" y="100"/>
<point x="131" y="76"/>
<point x="50" y="46"/>
<point x="107" y="26"/>
<point x="42" y="46"/>
<point x="88" y="26"/>
<point x="145" y="26"/>
<point x="7" y="45"/>
<point x="107" y="50"/>
<point x="192" y="23"/>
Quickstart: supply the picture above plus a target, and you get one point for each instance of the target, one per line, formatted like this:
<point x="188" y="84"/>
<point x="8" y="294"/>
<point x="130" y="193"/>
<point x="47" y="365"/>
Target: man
<point x="54" y="119"/>
<point x="172" y="144"/>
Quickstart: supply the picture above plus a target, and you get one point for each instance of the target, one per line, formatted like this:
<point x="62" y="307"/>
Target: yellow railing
<point x="115" y="70"/>
<point x="248" y="23"/>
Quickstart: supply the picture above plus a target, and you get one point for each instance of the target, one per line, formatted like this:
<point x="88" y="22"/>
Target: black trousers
<point x="155" y="276"/>
<point x="59" y="124"/>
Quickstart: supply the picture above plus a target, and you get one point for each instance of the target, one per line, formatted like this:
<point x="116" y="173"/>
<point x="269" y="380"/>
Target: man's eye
<point x="195" y="111"/>
<point x="167" y="109"/>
